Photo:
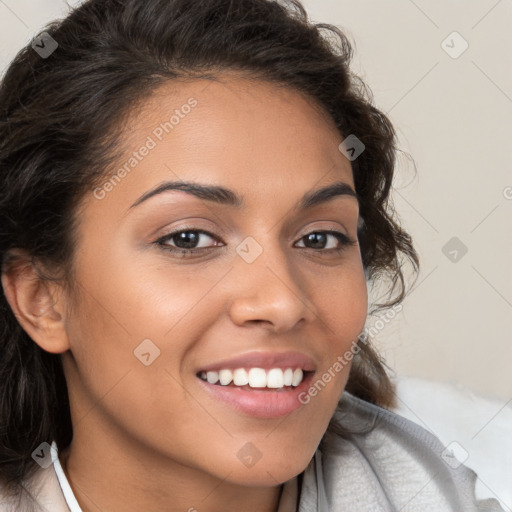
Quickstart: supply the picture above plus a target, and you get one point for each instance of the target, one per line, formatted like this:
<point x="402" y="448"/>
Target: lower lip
<point x="260" y="403"/>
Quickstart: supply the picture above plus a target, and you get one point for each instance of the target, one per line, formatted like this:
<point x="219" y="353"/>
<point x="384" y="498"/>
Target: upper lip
<point x="265" y="360"/>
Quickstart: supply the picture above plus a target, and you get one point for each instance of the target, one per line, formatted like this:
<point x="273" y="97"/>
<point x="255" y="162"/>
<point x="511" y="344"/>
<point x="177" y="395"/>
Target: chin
<point x="268" y="473"/>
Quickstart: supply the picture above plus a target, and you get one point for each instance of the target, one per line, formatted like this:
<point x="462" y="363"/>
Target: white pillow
<point x="477" y="430"/>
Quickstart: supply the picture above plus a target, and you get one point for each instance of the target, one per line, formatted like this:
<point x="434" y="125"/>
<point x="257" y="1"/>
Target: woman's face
<point x="264" y="278"/>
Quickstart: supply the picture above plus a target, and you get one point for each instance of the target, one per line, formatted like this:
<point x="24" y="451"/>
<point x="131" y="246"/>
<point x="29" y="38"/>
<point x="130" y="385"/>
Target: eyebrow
<point x="225" y="196"/>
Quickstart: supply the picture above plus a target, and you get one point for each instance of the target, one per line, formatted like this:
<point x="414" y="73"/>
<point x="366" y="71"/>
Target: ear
<point x="37" y="304"/>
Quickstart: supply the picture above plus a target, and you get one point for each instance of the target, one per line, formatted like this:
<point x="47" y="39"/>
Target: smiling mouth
<point x="256" y="378"/>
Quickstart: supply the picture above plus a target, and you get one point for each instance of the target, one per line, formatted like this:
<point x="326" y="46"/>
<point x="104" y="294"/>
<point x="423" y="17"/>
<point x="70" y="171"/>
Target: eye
<point x="327" y="240"/>
<point x="186" y="241"/>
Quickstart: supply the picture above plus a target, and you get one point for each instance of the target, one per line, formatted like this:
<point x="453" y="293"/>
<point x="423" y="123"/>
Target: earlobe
<point x="37" y="305"/>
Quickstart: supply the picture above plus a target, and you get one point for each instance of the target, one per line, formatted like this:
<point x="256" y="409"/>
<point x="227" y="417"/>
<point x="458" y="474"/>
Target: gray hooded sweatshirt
<point x="381" y="463"/>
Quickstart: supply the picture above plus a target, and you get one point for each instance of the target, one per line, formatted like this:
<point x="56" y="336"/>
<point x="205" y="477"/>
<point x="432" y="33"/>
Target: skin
<point x="149" y="437"/>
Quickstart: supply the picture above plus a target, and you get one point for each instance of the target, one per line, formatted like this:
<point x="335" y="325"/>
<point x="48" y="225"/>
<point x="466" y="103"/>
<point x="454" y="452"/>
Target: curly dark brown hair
<point x="61" y="123"/>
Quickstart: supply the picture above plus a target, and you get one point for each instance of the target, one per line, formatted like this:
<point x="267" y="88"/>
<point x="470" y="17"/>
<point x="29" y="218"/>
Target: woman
<point x="195" y="196"/>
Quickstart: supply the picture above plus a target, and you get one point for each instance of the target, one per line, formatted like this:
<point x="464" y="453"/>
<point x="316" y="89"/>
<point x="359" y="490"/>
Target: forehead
<point x="258" y="138"/>
<point x="235" y="115"/>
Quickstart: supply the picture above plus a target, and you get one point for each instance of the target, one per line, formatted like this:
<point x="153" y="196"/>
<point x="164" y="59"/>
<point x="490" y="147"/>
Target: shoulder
<point x="394" y="463"/>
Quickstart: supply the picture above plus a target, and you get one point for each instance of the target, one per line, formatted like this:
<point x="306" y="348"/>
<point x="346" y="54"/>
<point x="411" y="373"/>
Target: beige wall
<point x="454" y="115"/>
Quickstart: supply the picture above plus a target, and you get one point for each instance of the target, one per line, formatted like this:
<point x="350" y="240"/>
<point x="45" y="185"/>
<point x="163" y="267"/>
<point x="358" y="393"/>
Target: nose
<point x="270" y="292"/>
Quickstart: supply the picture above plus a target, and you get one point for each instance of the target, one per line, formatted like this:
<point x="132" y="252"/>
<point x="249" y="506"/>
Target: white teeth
<point x="212" y="377"/>
<point x="275" y="378"/>
<point x="256" y="377"/>
<point x="297" y="377"/>
<point x="240" y="377"/>
<point x="288" y="377"/>
<point x="225" y="376"/>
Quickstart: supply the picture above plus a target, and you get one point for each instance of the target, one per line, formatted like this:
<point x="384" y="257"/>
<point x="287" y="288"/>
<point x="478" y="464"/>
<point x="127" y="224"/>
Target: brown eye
<point x="187" y="241"/>
<point x="326" y="240"/>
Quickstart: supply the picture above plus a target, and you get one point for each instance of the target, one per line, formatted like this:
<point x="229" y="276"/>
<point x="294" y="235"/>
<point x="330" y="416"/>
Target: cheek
<point x="127" y="300"/>
<point x="114" y="383"/>
<point x="136" y="323"/>
<point x="344" y="305"/>
<point x="342" y="311"/>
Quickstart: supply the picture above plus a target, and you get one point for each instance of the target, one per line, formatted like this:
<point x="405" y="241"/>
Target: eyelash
<point x="344" y="240"/>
